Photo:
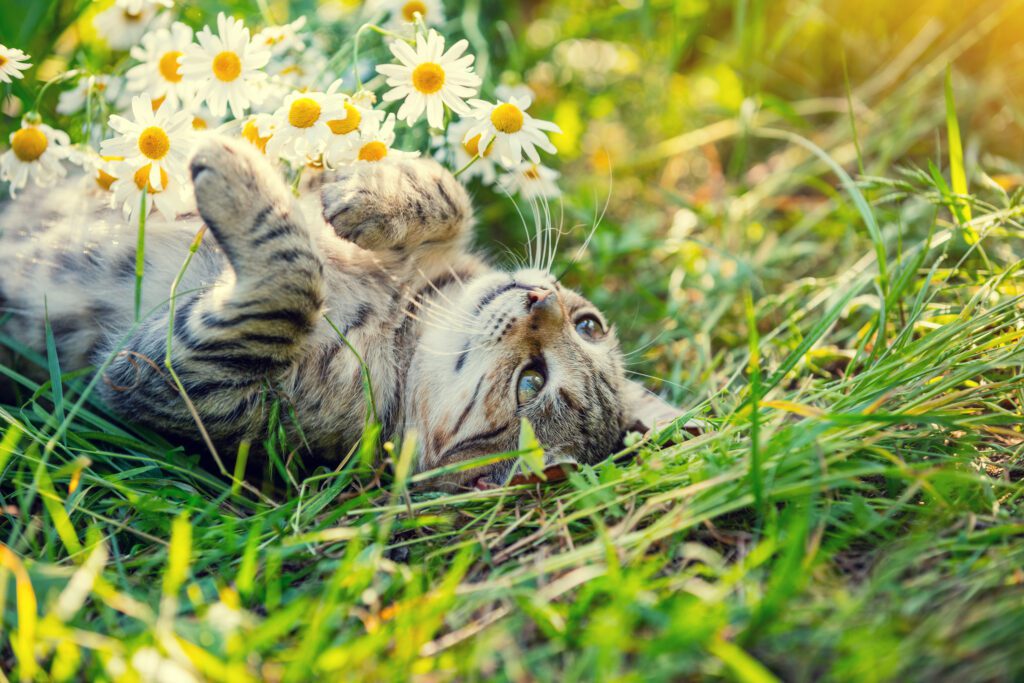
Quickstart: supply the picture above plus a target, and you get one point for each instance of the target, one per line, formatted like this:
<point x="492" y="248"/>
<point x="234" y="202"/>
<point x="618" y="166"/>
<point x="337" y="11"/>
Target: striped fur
<point x="377" y="253"/>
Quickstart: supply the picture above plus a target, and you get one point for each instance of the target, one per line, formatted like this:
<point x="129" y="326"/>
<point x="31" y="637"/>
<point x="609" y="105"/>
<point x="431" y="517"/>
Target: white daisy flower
<point x="173" y="196"/>
<point x="300" y="126"/>
<point x="280" y="39"/>
<point x="375" y="140"/>
<point x="139" y="5"/>
<point x="521" y="91"/>
<point x="511" y="129"/>
<point x="160" y="140"/>
<point x="12" y="63"/>
<point x="202" y="117"/>
<point x="403" y="14"/>
<point x="345" y="140"/>
<point x="254" y="128"/>
<point x="159" y="71"/>
<point x="465" y="149"/>
<point x="429" y="78"/>
<point x="110" y="88"/>
<point x="124" y="23"/>
<point x="224" y="68"/>
<point x="101" y="168"/>
<point x="531" y="181"/>
<point x="36" y="152"/>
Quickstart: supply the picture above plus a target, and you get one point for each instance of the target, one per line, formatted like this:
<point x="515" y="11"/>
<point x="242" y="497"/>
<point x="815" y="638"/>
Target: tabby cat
<point x="455" y="349"/>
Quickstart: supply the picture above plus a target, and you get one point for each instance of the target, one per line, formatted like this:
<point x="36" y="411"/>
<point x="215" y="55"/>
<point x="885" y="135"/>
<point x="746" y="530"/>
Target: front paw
<point x="397" y="204"/>
<point x="232" y="183"/>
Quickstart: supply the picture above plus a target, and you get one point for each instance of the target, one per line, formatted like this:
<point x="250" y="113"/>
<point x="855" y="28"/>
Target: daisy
<point x="375" y="140"/>
<point x="300" y="126"/>
<point x="403" y="14"/>
<point x="36" y="152"/>
<point x="110" y="88"/>
<point x="160" y="141"/>
<point x="202" y="117"/>
<point x="103" y="167"/>
<point x="506" y="91"/>
<point x="429" y="78"/>
<point x="139" y="5"/>
<point x="12" y="63"/>
<point x="159" y="71"/>
<point x="464" y="150"/>
<point x="511" y="129"/>
<point x="258" y="130"/>
<point x="531" y="181"/>
<point x="280" y="39"/>
<point x="124" y="23"/>
<point x="345" y="130"/>
<point x="225" y="67"/>
<point x="172" y="197"/>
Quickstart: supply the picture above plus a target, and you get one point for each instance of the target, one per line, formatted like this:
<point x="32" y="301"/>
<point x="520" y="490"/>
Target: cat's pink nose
<point x="537" y="296"/>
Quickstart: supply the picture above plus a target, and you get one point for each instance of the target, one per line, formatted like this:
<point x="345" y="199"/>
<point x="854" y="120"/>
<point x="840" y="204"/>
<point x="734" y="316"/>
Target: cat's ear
<point x="645" y="411"/>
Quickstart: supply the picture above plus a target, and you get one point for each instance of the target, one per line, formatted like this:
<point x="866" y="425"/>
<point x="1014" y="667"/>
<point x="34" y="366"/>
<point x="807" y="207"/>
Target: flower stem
<point x="355" y="48"/>
<point x="470" y="163"/>
<point x="140" y="254"/>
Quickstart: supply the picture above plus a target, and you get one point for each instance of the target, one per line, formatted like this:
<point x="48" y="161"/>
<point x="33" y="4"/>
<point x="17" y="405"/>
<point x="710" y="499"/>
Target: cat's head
<point x="508" y="346"/>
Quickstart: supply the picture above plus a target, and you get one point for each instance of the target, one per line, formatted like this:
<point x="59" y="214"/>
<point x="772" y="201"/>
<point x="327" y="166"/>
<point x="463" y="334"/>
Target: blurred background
<point x="660" y="103"/>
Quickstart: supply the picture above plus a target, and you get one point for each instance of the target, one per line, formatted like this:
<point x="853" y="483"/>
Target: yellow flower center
<point x="132" y="17"/>
<point x="158" y="101"/>
<point x="198" y="123"/>
<point x="104" y="179"/>
<point x="507" y="118"/>
<point x="28" y="144"/>
<point x="531" y="173"/>
<point x="428" y="78"/>
<point x="251" y="132"/>
<point x="472" y="147"/>
<point x="227" y="66"/>
<point x="154" y="143"/>
<point x="142" y="180"/>
<point x="99" y="87"/>
<point x="411" y="9"/>
<point x="3" y="60"/>
<point x="304" y="112"/>
<point x="348" y="124"/>
<point x="169" y="67"/>
<point x="373" y="151"/>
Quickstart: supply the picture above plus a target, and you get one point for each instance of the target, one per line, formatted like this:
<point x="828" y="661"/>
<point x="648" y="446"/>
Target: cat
<point x="373" y="255"/>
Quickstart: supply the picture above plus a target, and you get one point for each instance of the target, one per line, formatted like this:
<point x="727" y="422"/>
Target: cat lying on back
<point x="455" y="349"/>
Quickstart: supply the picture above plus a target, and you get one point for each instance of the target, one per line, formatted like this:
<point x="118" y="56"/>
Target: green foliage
<point x="853" y="513"/>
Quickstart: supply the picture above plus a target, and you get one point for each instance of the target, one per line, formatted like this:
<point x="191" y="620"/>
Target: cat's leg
<point x="253" y="325"/>
<point x="398" y="205"/>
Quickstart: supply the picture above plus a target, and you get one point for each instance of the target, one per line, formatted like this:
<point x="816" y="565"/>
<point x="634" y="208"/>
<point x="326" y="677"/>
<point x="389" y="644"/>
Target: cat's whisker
<point x="597" y="217"/>
<point x="660" y="379"/>
<point x="436" y="315"/>
<point x="455" y="311"/>
<point x="436" y="325"/>
<point x="434" y="310"/>
<point x="522" y="220"/>
<point x="455" y="353"/>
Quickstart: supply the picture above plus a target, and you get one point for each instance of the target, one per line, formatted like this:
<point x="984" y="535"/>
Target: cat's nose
<point x="539" y="297"/>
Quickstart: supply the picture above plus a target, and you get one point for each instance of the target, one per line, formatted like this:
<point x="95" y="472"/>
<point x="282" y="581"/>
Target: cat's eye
<point x="531" y="381"/>
<point x="589" y="327"/>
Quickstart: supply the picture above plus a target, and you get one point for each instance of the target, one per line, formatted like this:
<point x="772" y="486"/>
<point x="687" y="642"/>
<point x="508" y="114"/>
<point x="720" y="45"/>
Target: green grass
<point x="856" y="343"/>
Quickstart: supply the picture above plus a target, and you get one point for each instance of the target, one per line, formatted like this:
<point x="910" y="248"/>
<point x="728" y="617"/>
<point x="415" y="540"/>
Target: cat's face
<point x="512" y="346"/>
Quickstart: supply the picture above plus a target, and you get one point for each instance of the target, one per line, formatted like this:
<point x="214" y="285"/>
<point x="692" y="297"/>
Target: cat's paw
<point x="233" y="183"/>
<point x="396" y="204"/>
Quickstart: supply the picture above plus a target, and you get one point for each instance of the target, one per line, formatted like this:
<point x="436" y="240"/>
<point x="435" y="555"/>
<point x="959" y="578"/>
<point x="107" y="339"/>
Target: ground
<point x="788" y="253"/>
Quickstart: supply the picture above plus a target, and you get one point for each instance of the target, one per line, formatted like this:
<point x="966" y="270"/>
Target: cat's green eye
<point x="589" y="327"/>
<point x="531" y="381"/>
